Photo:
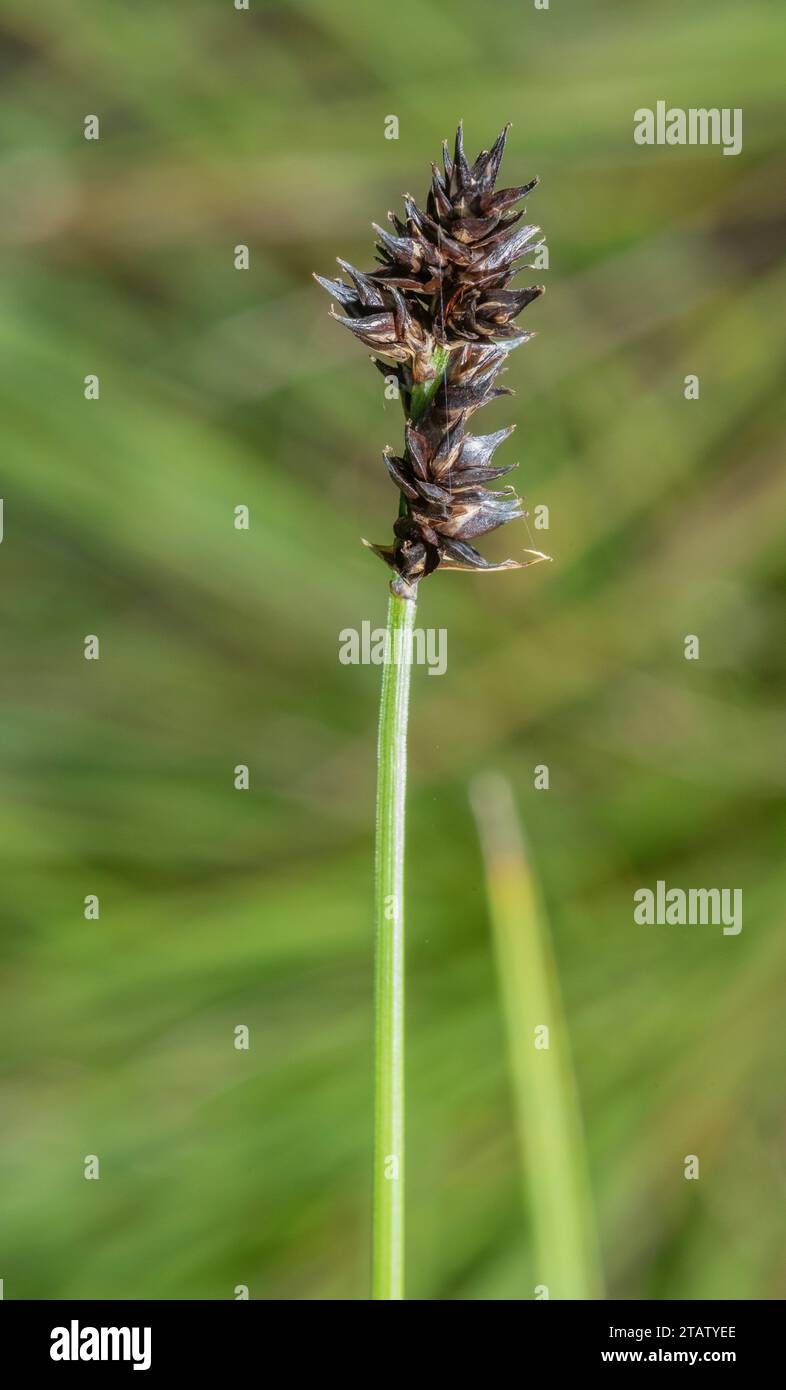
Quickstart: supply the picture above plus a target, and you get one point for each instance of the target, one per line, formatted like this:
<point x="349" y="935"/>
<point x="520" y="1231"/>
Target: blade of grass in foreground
<point x="548" y="1120"/>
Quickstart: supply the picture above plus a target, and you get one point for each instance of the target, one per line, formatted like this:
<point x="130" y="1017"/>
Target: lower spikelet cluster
<point x="438" y="313"/>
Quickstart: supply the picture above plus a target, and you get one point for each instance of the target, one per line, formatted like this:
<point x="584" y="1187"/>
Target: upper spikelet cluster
<point x="438" y="312"/>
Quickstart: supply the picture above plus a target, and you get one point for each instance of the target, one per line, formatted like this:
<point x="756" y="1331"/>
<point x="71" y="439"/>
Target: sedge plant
<point x="438" y="313"/>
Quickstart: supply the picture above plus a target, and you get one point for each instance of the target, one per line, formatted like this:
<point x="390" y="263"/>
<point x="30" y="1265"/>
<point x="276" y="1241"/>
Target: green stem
<point x="425" y="391"/>
<point x="388" y="1238"/>
<point x="421" y="397"/>
<point x="387" y="1257"/>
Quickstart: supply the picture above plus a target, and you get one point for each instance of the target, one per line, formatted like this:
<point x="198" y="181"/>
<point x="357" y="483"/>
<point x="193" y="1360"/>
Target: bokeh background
<point x="222" y="387"/>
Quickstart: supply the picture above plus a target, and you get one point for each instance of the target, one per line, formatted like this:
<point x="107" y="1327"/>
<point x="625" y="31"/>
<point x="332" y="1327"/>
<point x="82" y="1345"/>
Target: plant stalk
<point x="387" y="1257"/>
<point x="424" y="392"/>
<point x="388" y="1232"/>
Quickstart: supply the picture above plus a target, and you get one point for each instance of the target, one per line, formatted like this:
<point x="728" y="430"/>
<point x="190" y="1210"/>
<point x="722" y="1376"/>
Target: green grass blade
<point x="548" y="1120"/>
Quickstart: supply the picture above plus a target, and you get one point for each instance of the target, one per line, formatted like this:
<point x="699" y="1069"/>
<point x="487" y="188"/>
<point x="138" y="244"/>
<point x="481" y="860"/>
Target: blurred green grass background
<point x="221" y="387"/>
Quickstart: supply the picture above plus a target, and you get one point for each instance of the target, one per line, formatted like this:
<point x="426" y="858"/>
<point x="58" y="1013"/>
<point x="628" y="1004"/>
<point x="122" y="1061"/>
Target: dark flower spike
<point x="438" y="313"/>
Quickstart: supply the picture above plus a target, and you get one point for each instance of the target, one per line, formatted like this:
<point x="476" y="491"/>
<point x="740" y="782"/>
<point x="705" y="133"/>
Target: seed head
<point x="438" y="314"/>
